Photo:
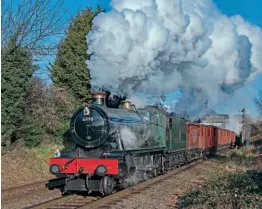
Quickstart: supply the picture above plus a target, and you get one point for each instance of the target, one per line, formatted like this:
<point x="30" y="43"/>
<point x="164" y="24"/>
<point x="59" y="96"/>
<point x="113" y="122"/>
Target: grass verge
<point x="239" y="186"/>
<point x="26" y="165"/>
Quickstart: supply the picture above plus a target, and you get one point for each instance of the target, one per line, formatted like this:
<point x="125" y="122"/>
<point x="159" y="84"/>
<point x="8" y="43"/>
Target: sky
<point x="250" y="10"/>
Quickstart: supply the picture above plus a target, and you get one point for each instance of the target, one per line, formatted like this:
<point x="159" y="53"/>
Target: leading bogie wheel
<point x="107" y="185"/>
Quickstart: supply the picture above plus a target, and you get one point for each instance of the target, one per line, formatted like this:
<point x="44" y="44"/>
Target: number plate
<point x="88" y="119"/>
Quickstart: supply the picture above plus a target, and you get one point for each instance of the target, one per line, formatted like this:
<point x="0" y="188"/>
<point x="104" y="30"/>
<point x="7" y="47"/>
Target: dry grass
<point x="26" y="165"/>
<point x="237" y="184"/>
<point x="239" y="160"/>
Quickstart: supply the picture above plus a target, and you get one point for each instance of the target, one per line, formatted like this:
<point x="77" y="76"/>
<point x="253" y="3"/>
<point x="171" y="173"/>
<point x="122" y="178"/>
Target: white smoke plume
<point x="139" y="102"/>
<point x="158" y="46"/>
<point x="234" y="124"/>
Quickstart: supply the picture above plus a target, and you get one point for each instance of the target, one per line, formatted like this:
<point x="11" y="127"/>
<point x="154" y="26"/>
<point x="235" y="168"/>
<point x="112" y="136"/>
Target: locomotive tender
<point x="116" y="147"/>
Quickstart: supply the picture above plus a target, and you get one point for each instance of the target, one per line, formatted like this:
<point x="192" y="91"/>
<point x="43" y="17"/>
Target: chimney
<point x="99" y="98"/>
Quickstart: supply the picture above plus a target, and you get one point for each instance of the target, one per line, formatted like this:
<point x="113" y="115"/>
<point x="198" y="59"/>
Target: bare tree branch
<point x="258" y="102"/>
<point x="34" y="24"/>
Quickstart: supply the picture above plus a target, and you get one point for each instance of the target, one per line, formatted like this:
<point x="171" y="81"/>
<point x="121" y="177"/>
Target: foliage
<point x="36" y="108"/>
<point x="48" y="112"/>
<point x="64" y="105"/>
<point x="240" y="190"/>
<point x="41" y="114"/>
<point x="70" y="70"/>
<point x="17" y="69"/>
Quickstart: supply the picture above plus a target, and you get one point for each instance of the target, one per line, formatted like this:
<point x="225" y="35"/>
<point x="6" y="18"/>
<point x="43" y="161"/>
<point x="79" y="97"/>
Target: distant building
<point x="223" y="120"/>
<point x="218" y="120"/>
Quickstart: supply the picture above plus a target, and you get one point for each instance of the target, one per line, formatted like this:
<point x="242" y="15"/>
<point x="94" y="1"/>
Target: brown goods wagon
<point x="221" y="137"/>
<point x="199" y="136"/>
<point x="218" y="136"/>
<point x="206" y="136"/>
<point x="227" y="137"/>
<point x="210" y="139"/>
<point x="224" y="136"/>
<point x="203" y="140"/>
<point x="192" y="136"/>
<point x="202" y="136"/>
<point x="233" y="137"/>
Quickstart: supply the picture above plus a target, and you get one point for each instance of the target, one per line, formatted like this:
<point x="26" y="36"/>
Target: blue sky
<point x="75" y="5"/>
<point x="250" y="10"/>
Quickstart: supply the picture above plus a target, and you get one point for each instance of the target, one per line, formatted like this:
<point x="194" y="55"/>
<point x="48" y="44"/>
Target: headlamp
<point x="101" y="170"/>
<point x="54" y="169"/>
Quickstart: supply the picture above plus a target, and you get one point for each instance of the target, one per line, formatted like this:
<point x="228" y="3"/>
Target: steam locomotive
<point x="118" y="146"/>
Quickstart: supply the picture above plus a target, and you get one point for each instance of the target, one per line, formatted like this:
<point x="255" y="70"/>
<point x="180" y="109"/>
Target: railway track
<point x="80" y="202"/>
<point x="70" y="202"/>
<point x="21" y="190"/>
<point x="37" y="183"/>
<point x="89" y="202"/>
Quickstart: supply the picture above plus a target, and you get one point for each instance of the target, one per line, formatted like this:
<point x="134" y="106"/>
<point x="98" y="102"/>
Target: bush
<point x="48" y="113"/>
<point x="240" y="190"/>
<point x="33" y="133"/>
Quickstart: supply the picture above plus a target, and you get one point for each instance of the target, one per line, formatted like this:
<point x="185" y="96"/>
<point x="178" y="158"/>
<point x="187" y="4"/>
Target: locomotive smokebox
<point x="99" y="98"/>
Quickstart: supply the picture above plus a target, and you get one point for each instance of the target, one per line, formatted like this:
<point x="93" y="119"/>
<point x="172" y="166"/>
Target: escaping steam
<point x="132" y="141"/>
<point x="234" y="124"/>
<point x="159" y="46"/>
<point x="129" y="138"/>
<point x="139" y="102"/>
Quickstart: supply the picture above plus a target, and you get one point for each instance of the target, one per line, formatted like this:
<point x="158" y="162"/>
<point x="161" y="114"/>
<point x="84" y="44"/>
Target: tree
<point x="258" y="102"/>
<point x="258" y="124"/>
<point x="48" y="110"/>
<point x="69" y="69"/>
<point x="17" y="69"/>
<point x="34" y="23"/>
<point x="38" y="117"/>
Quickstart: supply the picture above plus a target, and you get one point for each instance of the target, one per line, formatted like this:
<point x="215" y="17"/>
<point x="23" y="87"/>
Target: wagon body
<point x="200" y="136"/>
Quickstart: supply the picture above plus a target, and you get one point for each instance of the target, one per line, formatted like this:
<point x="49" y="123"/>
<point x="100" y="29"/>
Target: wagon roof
<point x="199" y="124"/>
